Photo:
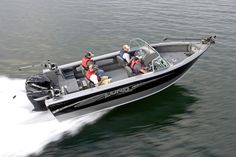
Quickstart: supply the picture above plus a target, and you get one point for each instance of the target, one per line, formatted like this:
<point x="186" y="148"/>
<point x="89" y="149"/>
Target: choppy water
<point x="195" y="117"/>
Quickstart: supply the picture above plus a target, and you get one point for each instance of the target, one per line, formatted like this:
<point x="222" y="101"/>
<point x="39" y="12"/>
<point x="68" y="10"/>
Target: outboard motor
<point x="38" y="88"/>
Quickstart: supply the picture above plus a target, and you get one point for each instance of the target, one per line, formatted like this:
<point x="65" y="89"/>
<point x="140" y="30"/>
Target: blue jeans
<point x="99" y="72"/>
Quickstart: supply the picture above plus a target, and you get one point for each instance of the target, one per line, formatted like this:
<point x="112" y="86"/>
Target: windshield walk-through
<point x="150" y="56"/>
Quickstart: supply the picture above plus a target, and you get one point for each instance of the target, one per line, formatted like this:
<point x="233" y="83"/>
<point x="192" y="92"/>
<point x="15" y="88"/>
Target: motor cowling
<point x="38" y="89"/>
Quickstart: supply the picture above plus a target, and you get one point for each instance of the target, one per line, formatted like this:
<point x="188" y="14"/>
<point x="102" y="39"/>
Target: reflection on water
<point x="152" y="113"/>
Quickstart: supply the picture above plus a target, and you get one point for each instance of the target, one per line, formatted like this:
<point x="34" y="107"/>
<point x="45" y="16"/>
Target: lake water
<point x="196" y="117"/>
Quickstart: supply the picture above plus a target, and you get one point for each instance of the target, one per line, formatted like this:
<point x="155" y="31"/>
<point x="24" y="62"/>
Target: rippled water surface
<point x="195" y="117"/>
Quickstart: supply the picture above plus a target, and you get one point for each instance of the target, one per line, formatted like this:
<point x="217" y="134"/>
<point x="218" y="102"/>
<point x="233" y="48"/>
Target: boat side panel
<point x="114" y="97"/>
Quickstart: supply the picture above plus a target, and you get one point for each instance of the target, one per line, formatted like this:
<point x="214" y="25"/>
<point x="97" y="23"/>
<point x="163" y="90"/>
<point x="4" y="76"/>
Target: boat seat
<point x="129" y="71"/>
<point x="120" y="61"/>
<point x="123" y="63"/>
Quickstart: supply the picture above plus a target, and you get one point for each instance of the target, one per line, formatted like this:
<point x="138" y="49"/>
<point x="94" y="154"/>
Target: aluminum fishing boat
<point x="65" y="91"/>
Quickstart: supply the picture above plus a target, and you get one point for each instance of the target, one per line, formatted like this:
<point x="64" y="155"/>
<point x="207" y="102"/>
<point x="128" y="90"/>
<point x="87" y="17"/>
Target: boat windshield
<point x="149" y="55"/>
<point x="142" y="48"/>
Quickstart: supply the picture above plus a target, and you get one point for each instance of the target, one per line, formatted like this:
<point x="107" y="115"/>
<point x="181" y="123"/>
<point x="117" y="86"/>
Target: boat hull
<point x="117" y="96"/>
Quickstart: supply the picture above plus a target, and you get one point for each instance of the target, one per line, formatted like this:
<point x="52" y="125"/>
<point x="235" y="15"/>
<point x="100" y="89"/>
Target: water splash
<point x="24" y="132"/>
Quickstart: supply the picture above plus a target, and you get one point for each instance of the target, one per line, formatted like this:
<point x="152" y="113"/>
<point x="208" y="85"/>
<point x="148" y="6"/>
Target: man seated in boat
<point x="124" y="53"/>
<point x="94" y="78"/>
<point x="87" y="60"/>
<point x="137" y="66"/>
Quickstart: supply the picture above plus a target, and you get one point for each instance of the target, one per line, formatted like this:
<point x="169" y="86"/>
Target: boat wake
<point x="24" y="132"/>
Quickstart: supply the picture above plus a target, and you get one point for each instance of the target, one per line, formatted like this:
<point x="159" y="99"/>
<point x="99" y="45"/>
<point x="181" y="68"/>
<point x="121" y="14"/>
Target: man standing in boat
<point x="87" y="61"/>
<point x="124" y="53"/>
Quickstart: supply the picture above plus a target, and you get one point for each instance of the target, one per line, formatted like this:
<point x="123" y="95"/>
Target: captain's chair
<point x="121" y="61"/>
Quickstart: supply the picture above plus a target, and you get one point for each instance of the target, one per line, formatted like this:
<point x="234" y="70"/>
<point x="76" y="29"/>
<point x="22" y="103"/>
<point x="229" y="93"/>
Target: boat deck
<point x="117" y="74"/>
<point x="174" y="57"/>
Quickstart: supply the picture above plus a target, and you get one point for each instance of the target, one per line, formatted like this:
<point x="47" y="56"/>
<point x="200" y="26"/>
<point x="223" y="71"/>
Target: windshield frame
<point x="143" y="49"/>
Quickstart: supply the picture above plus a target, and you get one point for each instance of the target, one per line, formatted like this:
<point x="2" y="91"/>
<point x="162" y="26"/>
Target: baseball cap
<point x="89" y="54"/>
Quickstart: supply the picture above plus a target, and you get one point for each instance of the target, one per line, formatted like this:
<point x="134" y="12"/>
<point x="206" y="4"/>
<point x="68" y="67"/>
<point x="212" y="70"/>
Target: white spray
<point x="24" y="132"/>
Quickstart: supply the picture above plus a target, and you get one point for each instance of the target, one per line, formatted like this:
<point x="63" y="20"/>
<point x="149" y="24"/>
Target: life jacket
<point x="133" y="62"/>
<point x="89" y="73"/>
<point x="122" y="53"/>
<point x="85" y="60"/>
